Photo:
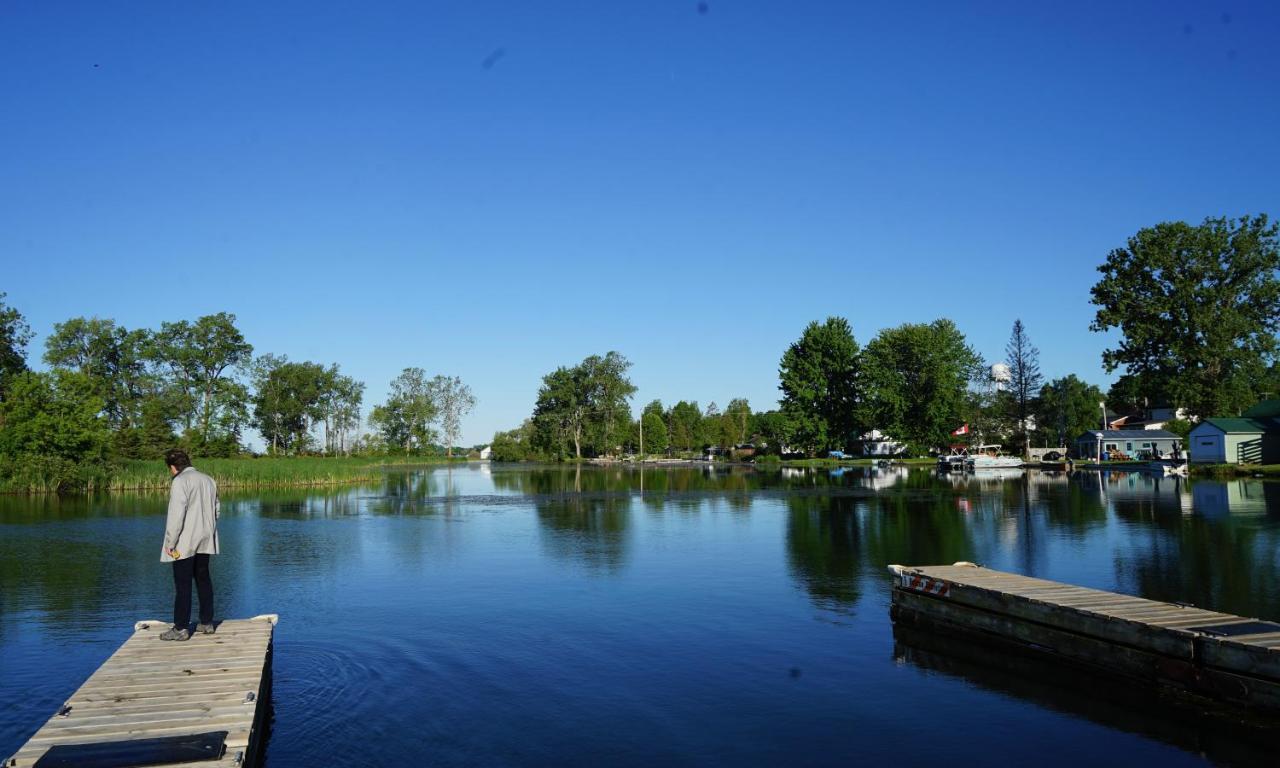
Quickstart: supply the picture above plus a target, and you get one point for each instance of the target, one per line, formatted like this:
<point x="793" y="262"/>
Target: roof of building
<point x="1242" y="425"/>
<point x="1129" y="434"/>
<point x="1267" y="409"/>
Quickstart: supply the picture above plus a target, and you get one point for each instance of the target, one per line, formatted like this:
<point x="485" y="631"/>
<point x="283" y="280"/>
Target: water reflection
<point x="613" y="573"/>
<point x="825" y="549"/>
<point x="1226" y="737"/>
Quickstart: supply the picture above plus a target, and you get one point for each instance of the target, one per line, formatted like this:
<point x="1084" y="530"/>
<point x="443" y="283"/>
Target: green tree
<point x="202" y="356"/>
<point x="736" y="422"/>
<point x="516" y="445"/>
<point x="655" y="432"/>
<point x="1134" y="392"/>
<point x="1197" y="307"/>
<point x="820" y="382"/>
<point x="14" y="336"/>
<point x="1024" y="377"/>
<point x="340" y="405"/>
<point x="683" y="425"/>
<point x="771" y="430"/>
<point x="288" y="399"/>
<point x="584" y="406"/>
<point x="560" y="414"/>
<point x="917" y="379"/>
<point x="114" y="358"/>
<point x="405" y="419"/>
<point x="53" y="427"/>
<point x="453" y="399"/>
<point x="609" y="389"/>
<point x="709" y="428"/>
<point x="1067" y="408"/>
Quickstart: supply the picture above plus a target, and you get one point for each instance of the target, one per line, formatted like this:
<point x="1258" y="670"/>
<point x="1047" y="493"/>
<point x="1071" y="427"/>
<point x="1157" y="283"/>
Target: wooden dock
<point x="1180" y="647"/>
<point x="186" y="700"/>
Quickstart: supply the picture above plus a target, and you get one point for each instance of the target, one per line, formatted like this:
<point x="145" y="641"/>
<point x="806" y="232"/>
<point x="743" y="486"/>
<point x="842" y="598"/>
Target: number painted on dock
<point x="918" y="583"/>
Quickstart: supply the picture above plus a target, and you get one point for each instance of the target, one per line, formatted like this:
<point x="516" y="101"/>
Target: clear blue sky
<point x="490" y="190"/>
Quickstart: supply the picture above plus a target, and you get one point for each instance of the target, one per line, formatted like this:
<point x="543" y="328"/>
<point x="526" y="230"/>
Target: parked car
<point x="837" y="455"/>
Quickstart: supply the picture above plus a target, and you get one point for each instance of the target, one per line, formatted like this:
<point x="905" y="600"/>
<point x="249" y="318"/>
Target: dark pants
<point x="184" y="571"/>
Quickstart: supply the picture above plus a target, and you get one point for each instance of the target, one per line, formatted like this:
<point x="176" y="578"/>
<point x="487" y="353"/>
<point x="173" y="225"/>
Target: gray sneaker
<point x="174" y="633"/>
<point x="205" y="629"/>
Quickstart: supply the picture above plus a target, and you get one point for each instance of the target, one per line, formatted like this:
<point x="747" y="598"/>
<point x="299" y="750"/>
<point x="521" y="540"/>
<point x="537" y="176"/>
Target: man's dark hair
<point x="177" y="458"/>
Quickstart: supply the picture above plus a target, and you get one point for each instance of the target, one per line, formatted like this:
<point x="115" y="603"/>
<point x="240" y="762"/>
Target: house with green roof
<point x="1251" y="438"/>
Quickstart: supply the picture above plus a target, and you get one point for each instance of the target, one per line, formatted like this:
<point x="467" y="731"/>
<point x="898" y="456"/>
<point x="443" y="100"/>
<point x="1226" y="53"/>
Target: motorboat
<point x="990" y="457"/>
<point x="954" y="461"/>
<point x="1176" y="467"/>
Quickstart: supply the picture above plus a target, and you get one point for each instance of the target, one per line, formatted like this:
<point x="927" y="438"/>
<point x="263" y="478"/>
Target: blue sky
<point x="491" y="190"/>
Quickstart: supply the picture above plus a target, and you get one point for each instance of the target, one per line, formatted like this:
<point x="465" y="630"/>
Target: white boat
<point x="1169" y="466"/>
<point x="990" y="457"/>
<point x="954" y="461"/>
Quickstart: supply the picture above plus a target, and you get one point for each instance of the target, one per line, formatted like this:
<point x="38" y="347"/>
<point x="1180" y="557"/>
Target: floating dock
<point x="1178" y="647"/>
<point x="199" y="702"/>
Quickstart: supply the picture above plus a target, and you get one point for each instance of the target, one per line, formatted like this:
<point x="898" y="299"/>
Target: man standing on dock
<point x="190" y="536"/>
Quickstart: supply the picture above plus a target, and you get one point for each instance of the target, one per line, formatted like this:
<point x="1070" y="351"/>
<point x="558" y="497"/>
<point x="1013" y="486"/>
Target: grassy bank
<point x="263" y="472"/>
<point x="1236" y="470"/>
<point x="832" y="463"/>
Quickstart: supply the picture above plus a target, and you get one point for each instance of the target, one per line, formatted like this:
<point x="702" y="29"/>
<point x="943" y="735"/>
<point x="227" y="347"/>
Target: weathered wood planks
<point x="152" y="688"/>
<point x="1208" y="653"/>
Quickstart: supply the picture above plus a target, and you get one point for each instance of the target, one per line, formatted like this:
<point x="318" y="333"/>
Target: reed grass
<point x="260" y="472"/>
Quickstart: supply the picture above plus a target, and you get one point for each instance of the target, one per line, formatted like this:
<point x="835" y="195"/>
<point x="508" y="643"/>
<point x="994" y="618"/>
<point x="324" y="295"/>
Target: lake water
<point x="503" y="615"/>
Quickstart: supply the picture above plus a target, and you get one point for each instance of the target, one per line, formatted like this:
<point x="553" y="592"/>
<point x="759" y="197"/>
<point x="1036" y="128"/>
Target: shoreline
<point x="318" y="472"/>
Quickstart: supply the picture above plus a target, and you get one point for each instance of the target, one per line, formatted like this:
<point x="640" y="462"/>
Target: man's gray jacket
<point x="192" y="525"/>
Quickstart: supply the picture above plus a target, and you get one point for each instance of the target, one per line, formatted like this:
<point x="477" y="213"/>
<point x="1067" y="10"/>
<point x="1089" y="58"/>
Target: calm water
<point x="516" y="616"/>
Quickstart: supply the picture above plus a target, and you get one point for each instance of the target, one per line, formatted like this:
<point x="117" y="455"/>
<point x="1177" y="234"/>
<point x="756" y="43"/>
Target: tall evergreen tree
<point x="1023" y="360"/>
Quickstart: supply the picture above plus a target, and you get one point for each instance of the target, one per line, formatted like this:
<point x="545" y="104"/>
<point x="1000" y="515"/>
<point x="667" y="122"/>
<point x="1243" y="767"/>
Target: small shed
<point x="1236" y="441"/>
<point x="1133" y="443"/>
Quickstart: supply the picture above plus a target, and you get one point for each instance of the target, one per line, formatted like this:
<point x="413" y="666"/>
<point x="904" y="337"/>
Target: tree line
<point x="112" y="393"/>
<point x="1197" y="308"/>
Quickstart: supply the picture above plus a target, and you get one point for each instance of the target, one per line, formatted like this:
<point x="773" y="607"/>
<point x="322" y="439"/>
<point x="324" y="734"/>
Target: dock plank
<point x="1232" y="656"/>
<point x="150" y="687"/>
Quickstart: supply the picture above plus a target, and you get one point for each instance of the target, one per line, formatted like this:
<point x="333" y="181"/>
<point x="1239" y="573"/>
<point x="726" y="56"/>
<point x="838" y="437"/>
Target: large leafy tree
<point x="1197" y="308"/>
<point x="560" y="414"/>
<point x="917" y="379"/>
<point x="735" y="422"/>
<point x="53" y="421"/>
<point x="288" y="398"/>
<point x="655" y="428"/>
<point x="1067" y="407"/>
<point x="608" y="390"/>
<point x="771" y="428"/>
<point x="203" y="357"/>
<point x="820" y="379"/>
<point x="114" y="358"/>
<point x="454" y="400"/>
<point x="683" y="425"/>
<point x="1024" y="377"/>
<point x="405" y="419"/>
<point x="340" y="408"/>
<point x="14" y="336"/>
<point x="584" y="406"/>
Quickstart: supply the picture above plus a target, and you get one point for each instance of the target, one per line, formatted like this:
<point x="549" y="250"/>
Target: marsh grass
<point x="262" y="472"/>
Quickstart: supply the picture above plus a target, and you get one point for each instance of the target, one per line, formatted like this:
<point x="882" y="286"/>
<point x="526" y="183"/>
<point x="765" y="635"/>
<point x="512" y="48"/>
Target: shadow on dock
<point x="1227" y="736"/>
